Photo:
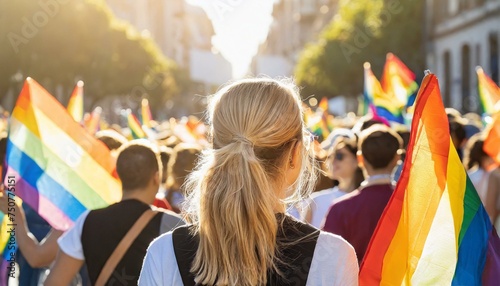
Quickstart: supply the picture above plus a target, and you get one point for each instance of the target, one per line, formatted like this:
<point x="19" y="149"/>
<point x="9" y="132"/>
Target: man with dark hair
<point x="354" y="216"/>
<point x="111" y="138"/>
<point x="96" y="234"/>
<point x="458" y="136"/>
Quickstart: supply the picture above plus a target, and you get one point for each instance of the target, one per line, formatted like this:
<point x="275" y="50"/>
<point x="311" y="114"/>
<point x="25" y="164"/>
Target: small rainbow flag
<point x="398" y="81"/>
<point x="323" y="104"/>
<point x="489" y="92"/>
<point x="135" y="126"/>
<point x="75" y="104"/>
<point x="385" y="105"/>
<point x="91" y="121"/>
<point x="492" y="142"/>
<point x="146" y="116"/>
<point x="60" y="170"/>
<point x="434" y="230"/>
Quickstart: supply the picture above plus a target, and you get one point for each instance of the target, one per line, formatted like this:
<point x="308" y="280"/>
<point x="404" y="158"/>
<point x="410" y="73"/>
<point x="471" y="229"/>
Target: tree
<point x="363" y="30"/>
<point x="58" y="42"/>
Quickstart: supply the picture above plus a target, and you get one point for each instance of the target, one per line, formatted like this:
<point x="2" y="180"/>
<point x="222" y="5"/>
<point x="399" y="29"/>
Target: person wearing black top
<point x="96" y="234"/>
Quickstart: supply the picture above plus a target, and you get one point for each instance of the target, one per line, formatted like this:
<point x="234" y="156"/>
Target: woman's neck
<point x="346" y="186"/>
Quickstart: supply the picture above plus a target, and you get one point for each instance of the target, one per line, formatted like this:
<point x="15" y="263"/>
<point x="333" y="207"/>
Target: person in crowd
<point x="111" y="138"/>
<point x="160" y="199"/>
<point x="457" y="130"/>
<point x="37" y="240"/>
<point x="181" y="163"/>
<point x="36" y="254"/>
<point x="97" y="233"/>
<point x="343" y="167"/>
<point x="240" y="234"/>
<point x="366" y="122"/>
<point x="478" y="164"/>
<point x="485" y="175"/>
<point x="354" y="216"/>
<point x="405" y="135"/>
<point x="32" y="257"/>
<point x="473" y="124"/>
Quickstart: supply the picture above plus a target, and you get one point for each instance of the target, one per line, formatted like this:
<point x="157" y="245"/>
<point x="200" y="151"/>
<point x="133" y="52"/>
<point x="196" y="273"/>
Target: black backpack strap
<point x="185" y="247"/>
<point x="297" y="239"/>
<point x="298" y="242"/>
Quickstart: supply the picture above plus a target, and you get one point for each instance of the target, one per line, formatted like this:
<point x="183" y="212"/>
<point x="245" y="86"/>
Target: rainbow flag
<point x="135" y="127"/>
<point x="434" y="230"/>
<point x="60" y="170"/>
<point x="489" y="93"/>
<point x="318" y="125"/>
<point x="385" y="105"/>
<point x="91" y="121"/>
<point x="326" y="117"/>
<point x="146" y="116"/>
<point x="75" y="104"/>
<point x="398" y="81"/>
<point x="492" y="141"/>
<point x="323" y="104"/>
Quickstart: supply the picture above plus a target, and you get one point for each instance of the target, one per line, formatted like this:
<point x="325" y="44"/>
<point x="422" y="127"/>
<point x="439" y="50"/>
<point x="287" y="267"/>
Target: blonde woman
<point x="239" y="235"/>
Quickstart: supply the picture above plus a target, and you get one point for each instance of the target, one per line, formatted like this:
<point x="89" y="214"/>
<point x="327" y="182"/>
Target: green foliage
<point x="58" y="42"/>
<point x="363" y="30"/>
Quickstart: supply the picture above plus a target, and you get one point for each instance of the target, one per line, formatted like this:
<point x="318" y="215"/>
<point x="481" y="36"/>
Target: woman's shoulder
<point x="335" y="242"/>
<point x="332" y="249"/>
<point x="334" y="262"/>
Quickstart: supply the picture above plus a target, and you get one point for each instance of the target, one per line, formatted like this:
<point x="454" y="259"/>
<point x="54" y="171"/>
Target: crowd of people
<point x="260" y="202"/>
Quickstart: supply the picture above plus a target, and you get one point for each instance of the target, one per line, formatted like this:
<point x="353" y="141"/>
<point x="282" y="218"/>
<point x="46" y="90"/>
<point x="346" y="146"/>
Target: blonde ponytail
<point x="255" y="125"/>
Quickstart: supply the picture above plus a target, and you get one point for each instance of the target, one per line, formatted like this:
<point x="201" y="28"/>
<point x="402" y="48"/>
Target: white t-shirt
<point x="334" y="263"/>
<point x="71" y="241"/>
<point x="320" y="203"/>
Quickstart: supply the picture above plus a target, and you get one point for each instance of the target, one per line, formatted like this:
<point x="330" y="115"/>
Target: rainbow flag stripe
<point x="146" y="116"/>
<point x="135" y="127"/>
<point x="60" y="169"/>
<point x="489" y="92"/>
<point x="323" y="104"/>
<point x="92" y="121"/>
<point x="385" y="105"/>
<point x="434" y="231"/>
<point x="75" y="104"/>
<point x="398" y="81"/>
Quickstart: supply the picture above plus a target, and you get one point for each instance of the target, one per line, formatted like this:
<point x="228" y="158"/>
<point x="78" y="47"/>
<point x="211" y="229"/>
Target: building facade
<point x="174" y="25"/>
<point x="460" y="35"/>
<point x="296" y="23"/>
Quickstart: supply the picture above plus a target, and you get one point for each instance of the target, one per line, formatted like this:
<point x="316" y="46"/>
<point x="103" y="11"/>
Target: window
<point x="466" y="71"/>
<point x="447" y="78"/>
<point x="493" y="58"/>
